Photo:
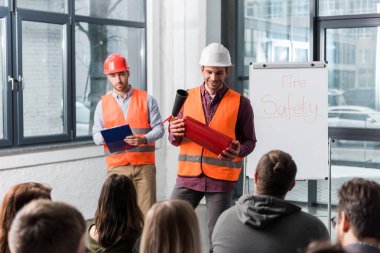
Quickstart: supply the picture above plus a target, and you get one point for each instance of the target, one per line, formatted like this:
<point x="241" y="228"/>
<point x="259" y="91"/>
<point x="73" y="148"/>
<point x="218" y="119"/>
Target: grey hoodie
<point x="265" y="224"/>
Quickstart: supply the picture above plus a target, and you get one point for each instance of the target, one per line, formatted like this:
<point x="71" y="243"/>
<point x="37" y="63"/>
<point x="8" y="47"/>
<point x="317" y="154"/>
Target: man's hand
<point x="135" y="140"/>
<point x="177" y="127"/>
<point x="230" y="153"/>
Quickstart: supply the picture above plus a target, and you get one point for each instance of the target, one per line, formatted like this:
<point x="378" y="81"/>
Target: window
<point x="52" y="73"/>
<point x="58" y="6"/>
<point x="127" y="41"/>
<point x="333" y="7"/>
<point x="277" y="31"/>
<point x="354" y="76"/>
<point x="277" y="34"/>
<point x="131" y="10"/>
<point x="44" y="68"/>
<point x="249" y="11"/>
<point x="345" y="34"/>
<point x="3" y="76"/>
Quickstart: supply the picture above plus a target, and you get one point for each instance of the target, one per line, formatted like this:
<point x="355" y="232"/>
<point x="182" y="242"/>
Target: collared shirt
<point x="244" y="131"/>
<point x="154" y="117"/>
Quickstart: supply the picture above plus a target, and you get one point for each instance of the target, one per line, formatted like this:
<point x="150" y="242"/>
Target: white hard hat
<point x="215" y="55"/>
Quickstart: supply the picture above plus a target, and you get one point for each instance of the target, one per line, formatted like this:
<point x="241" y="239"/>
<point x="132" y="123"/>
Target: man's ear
<point x="292" y="184"/>
<point x="345" y="221"/>
<point x="227" y="71"/>
<point x="255" y="177"/>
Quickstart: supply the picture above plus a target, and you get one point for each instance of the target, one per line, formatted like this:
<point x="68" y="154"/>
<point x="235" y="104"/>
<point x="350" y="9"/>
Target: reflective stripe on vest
<point x="194" y="159"/>
<point x="137" y="118"/>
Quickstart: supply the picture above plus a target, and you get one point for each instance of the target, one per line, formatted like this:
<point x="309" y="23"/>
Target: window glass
<point x="2" y="76"/>
<point x="298" y="192"/>
<point x="59" y="6"/>
<point x="132" y="10"/>
<point x="334" y="7"/>
<point x="356" y="154"/>
<point x="353" y="90"/>
<point x="44" y="75"/>
<point x="246" y="88"/>
<point x="93" y="44"/>
<point x="276" y="31"/>
<point x="350" y="159"/>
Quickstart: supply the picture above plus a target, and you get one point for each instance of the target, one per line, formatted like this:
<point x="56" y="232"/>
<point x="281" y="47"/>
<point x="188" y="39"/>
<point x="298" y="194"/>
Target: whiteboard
<point x="290" y="104"/>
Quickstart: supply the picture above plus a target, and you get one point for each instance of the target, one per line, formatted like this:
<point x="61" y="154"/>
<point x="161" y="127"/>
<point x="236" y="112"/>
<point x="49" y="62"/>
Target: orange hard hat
<point x="115" y="63"/>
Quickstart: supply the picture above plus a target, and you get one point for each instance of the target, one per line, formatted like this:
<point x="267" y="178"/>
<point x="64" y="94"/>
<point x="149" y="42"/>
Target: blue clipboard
<point x="114" y="138"/>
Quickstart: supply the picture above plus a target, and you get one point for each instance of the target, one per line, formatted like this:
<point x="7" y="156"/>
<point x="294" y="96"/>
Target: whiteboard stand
<point x="329" y="189"/>
<point x="245" y="177"/>
<point x="290" y="102"/>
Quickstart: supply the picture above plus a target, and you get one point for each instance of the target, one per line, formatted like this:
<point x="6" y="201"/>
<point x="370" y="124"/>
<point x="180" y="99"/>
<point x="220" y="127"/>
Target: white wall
<point x="75" y="175"/>
<point x="176" y="36"/>
<point x="176" y="32"/>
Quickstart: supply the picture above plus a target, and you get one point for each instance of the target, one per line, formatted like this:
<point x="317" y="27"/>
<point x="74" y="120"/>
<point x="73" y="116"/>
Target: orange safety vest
<point x="193" y="159"/>
<point x="137" y="118"/>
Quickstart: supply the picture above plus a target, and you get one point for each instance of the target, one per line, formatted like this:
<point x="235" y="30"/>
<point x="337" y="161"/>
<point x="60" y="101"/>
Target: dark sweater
<point x="361" y="248"/>
<point x="265" y="224"/>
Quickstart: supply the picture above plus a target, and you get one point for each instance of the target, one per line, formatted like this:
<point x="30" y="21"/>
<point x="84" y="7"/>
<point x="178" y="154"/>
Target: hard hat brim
<point x="116" y="71"/>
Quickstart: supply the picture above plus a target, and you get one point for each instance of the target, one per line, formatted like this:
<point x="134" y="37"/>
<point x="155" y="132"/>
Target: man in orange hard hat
<point x="128" y="105"/>
<point x="200" y="172"/>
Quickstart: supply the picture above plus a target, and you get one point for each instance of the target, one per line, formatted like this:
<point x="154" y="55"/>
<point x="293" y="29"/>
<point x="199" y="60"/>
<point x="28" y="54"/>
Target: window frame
<point x="7" y="139"/>
<point x="49" y="18"/>
<point x="13" y="99"/>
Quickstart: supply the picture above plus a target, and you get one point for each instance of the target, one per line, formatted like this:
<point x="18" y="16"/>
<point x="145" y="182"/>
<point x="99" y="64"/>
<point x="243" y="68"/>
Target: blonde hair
<point x="171" y="227"/>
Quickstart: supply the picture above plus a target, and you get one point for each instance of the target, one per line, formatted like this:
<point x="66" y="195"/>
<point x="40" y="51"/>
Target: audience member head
<point x="358" y="215"/>
<point x="171" y="227"/>
<point x="275" y="174"/>
<point x="323" y="247"/>
<point x="118" y="214"/>
<point x="47" y="226"/>
<point x="16" y="197"/>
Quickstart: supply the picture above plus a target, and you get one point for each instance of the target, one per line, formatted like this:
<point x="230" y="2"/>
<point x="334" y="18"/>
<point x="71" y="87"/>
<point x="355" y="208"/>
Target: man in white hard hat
<point x="226" y="111"/>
